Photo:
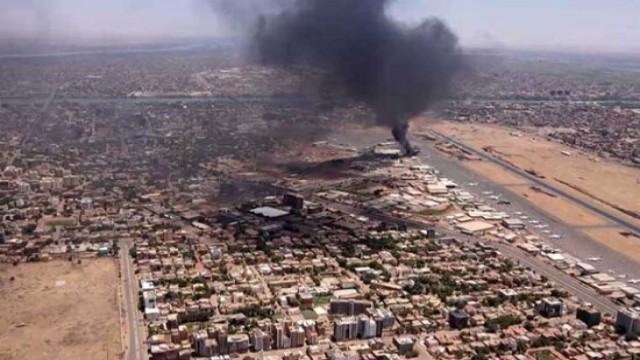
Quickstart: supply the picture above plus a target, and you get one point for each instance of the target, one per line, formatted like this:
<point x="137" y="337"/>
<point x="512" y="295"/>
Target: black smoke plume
<point x="397" y="70"/>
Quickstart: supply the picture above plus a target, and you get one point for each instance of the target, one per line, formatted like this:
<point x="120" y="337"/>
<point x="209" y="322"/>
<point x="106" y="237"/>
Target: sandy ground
<point x="613" y="238"/>
<point x="495" y="173"/>
<point x="59" y="310"/>
<point x="612" y="182"/>
<point x="609" y="181"/>
<point x="560" y="208"/>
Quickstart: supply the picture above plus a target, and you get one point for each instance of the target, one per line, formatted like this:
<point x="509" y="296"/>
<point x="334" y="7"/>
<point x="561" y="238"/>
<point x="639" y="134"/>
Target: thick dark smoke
<point x="397" y="70"/>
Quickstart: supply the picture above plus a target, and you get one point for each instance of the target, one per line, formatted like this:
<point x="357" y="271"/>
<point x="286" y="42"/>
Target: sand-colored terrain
<point x="59" y="310"/>
<point x="558" y="207"/>
<point x="561" y="209"/>
<point x="605" y="184"/>
<point x="495" y="173"/>
<point x="601" y="182"/>
<point x="613" y="238"/>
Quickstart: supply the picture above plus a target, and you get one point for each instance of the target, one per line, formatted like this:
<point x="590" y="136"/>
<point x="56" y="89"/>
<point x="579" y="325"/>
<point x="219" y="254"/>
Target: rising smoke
<point x="397" y="70"/>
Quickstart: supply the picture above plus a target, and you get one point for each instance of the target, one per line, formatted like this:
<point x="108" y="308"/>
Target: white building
<point x="86" y="204"/>
<point x="149" y="298"/>
<point x="24" y="187"/>
<point x="369" y="328"/>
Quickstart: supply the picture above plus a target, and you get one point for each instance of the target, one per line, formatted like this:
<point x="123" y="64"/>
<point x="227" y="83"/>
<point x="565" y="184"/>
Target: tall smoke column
<point x="397" y="70"/>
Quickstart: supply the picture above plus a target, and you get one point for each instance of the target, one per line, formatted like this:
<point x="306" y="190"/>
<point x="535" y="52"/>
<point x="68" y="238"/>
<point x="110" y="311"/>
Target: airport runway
<point x="573" y="241"/>
<point x="536" y="180"/>
<point x="454" y="170"/>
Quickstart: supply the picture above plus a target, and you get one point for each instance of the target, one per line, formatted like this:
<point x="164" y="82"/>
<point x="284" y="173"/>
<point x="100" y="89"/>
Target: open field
<point x="558" y="207"/>
<point x="613" y="238"/>
<point x="495" y="173"/>
<point x="603" y="183"/>
<point x="59" y="310"/>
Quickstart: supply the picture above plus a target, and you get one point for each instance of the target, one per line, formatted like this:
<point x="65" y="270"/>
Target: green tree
<point x="529" y="326"/>
<point x="368" y="277"/>
<point x="502" y="322"/>
<point x="349" y="250"/>
<point x="29" y="229"/>
<point x="559" y="293"/>
<point x="411" y="354"/>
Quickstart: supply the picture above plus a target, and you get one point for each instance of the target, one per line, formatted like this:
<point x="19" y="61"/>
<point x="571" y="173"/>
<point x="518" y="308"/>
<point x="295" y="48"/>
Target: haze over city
<point x="319" y="180"/>
<point x="571" y="25"/>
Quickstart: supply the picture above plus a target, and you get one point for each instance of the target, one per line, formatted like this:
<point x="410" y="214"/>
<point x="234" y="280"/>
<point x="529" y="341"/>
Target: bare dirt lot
<point x="601" y="182"/>
<point x="560" y="208"/>
<point x="605" y="184"/>
<point x="613" y="237"/>
<point x="495" y="173"/>
<point x="59" y="310"/>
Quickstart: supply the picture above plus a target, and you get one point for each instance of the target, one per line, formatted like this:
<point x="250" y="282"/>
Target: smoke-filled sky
<point x="590" y="25"/>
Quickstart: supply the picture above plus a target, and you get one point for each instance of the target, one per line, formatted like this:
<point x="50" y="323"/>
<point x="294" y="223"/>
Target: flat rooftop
<point x="269" y="212"/>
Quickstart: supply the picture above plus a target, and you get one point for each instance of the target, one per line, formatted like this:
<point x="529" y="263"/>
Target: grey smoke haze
<point x="569" y="25"/>
<point x="399" y="71"/>
<point x="129" y="20"/>
<point x="95" y="21"/>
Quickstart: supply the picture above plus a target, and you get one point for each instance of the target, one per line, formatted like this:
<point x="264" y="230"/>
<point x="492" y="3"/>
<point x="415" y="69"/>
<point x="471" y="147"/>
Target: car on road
<point x="595" y="258"/>
<point x="546" y="231"/>
<point x="487" y="192"/>
<point x="534" y="222"/>
<point x="504" y="202"/>
<point x="524" y="217"/>
<point x="555" y="236"/>
<point x="633" y="281"/>
<point x="472" y="184"/>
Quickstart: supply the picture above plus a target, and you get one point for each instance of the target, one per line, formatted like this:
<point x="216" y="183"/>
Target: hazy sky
<point x="611" y="25"/>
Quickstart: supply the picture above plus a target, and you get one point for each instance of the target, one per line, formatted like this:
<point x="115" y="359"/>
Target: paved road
<point x="540" y="182"/>
<point x="136" y="347"/>
<point x="562" y="279"/>
<point x="447" y="166"/>
<point x="33" y="125"/>
<point x="574" y="242"/>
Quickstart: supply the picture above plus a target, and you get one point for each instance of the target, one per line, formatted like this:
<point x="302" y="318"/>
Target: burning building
<point x="397" y="70"/>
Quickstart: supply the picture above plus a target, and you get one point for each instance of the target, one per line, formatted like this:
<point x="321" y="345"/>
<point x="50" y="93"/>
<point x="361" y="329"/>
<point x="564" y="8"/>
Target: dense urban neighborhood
<point x="190" y="205"/>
